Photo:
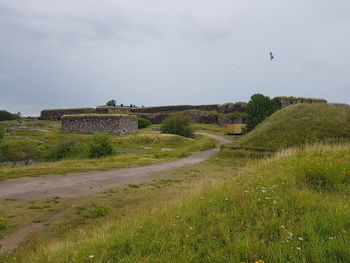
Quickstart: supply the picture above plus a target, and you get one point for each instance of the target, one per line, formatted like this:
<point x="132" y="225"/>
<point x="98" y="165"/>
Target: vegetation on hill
<point x="178" y="124"/>
<point x="8" y="116"/>
<point x="300" y="124"/>
<point x="266" y="214"/>
<point x="258" y="109"/>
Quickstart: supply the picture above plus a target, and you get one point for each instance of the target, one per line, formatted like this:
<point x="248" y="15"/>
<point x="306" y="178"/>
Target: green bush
<point x="97" y="212"/>
<point x="69" y="148"/>
<point x="101" y="145"/>
<point x="7" y="116"/>
<point x="143" y="123"/>
<point x="22" y="151"/>
<point x="178" y="124"/>
<point x="258" y="109"/>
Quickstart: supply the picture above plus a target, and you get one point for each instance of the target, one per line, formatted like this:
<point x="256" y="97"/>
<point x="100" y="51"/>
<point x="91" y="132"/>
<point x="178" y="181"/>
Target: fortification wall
<point x="110" y="110"/>
<point x="58" y="113"/>
<point x="160" y="109"/>
<point x="287" y="101"/>
<point x="89" y="124"/>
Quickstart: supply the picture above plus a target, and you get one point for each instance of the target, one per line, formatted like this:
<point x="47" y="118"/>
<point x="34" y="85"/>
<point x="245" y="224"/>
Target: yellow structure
<point x="235" y="129"/>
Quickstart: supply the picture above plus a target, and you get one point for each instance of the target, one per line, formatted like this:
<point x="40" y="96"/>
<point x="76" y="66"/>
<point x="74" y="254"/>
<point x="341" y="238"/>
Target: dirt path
<point x="86" y="183"/>
<point x="82" y="184"/>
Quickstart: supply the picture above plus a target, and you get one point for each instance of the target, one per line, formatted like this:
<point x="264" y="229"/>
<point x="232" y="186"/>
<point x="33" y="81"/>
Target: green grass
<point x="301" y="124"/>
<point x="132" y="150"/>
<point x="266" y="213"/>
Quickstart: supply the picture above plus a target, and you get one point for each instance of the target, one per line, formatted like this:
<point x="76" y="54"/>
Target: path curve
<point x="86" y="183"/>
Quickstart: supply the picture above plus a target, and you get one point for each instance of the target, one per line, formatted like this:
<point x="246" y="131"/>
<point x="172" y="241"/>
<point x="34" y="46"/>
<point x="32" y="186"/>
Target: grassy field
<point x="271" y="210"/>
<point x="239" y="206"/>
<point x="301" y="124"/>
<point x="131" y="150"/>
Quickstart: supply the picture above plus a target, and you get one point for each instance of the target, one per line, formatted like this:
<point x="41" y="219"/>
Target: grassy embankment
<point x="131" y="150"/>
<point x="279" y="210"/>
<point x="299" y="125"/>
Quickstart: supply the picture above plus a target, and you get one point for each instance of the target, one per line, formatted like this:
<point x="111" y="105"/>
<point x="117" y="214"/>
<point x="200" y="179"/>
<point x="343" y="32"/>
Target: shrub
<point x="7" y="116"/>
<point x="22" y="151"/>
<point x="100" y="145"/>
<point x="97" y="212"/>
<point x="111" y="103"/>
<point x="177" y="124"/>
<point x="258" y="109"/>
<point x="324" y="172"/>
<point x="69" y="148"/>
<point x="143" y="123"/>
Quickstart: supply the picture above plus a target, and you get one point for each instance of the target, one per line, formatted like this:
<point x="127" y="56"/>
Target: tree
<point x="7" y="116"/>
<point x="178" y="124"/>
<point x="258" y="109"/>
<point x="111" y="103"/>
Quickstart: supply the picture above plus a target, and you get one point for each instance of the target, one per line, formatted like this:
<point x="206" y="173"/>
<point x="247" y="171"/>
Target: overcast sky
<point x="81" y="53"/>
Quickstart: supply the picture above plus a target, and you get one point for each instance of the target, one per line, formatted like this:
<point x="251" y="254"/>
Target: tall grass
<point x="267" y="213"/>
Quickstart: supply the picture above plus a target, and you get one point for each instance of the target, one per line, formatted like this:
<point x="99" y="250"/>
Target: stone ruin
<point x="116" y="124"/>
<point x="287" y="101"/>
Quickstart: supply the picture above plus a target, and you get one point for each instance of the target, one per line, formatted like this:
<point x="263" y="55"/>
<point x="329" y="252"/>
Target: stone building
<point x="117" y="124"/>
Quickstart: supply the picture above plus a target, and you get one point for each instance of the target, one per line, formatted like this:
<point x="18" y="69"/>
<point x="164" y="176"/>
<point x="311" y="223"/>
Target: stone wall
<point x="155" y="118"/>
<point x="202" y="117"/>
<point x="57" y="114"/>
<point x="226" y="119"/>
<point x="89" y="124"/>
<point x="232" y="107"/>
<point x="160" y="109"/>
<point x="287" y="101"/>
<point x="110" y="110"/>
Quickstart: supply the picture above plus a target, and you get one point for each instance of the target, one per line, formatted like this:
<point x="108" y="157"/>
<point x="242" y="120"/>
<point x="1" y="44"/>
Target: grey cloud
<point x="84" y="52"/>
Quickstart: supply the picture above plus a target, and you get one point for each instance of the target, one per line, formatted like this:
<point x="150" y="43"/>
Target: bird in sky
<point x="272" y="56"/>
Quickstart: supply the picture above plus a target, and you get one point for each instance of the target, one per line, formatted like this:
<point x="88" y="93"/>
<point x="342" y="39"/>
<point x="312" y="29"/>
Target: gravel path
<point x="86" y="183"/>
